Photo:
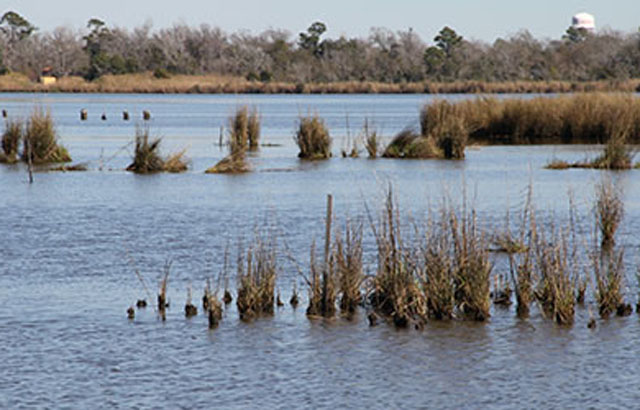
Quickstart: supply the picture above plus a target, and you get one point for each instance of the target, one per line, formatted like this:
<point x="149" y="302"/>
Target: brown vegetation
<point x="257" y="279"/>
<point x="11" y="141"/>
<point x="40" y="140"/>
<point x="147" y="159"/>
<point x="312" y="138"/>
<point x="147" y="83"/>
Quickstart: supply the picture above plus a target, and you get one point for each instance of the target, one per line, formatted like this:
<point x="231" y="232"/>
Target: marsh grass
<point x="438" y="272"/>
<point x="257" y="279"/>
<point x="176" y="162"/>
<point x="472" y="268"/>
<point x="11" y="138"/>
<point x="407" y="144"/>
<point x="372" y="142"/>
<point x="553" y="264"/>
<point x="40" y="140"/>
<point x="323" y="288"/>
<point x="244" y="134"/>
<point x="253" y="130"/>
<point x="396" y="293"/>
<point x="213" y="306"/>
<point x="608" y="269"/>
<point x="313" y="139"/>
<point x="609" y="212"/>
<point x="146" y="158"/>
<point x="444" y="124"/>
<point x="163" y="303"/>
<point x="347" y="256"/>
<point x="190" y="309"/>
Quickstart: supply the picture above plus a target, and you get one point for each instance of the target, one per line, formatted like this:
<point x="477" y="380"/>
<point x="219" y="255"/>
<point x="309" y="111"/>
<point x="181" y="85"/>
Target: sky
<point x="484" y="20"/>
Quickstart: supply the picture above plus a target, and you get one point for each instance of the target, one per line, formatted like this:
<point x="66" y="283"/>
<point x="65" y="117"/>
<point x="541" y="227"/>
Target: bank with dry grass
<point x="219" y="84"/>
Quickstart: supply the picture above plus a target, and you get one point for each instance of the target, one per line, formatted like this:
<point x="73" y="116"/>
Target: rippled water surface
<point x="71" y="243"/>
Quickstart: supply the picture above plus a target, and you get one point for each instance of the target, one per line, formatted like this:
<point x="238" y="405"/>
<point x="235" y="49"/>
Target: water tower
<point x="584" y="21"/>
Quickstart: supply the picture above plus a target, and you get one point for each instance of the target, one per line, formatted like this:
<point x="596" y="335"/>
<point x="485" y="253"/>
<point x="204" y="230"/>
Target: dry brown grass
<point x="410" y="145"/>
<point x="147" y="158"/>
<point x="216" y="83"/>
<point x="11" y="138"/>
<point x="609" y="212"/>
<point x="257" y="279"/>
<point x="446" y="126"/>
<point x="323" y="289"/>
<point x="396" y="292"/>
<point x="347" y="256"/>
<point x="556" y="279"/>
<point x="608" y="269"/>
<point x="312" y="138"/>
<point x="40" y="140"/>
<point x="472" y="268"/>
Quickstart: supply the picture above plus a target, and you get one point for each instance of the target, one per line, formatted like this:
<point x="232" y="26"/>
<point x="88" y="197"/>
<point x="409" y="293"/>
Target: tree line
<point x="277" y="55"/>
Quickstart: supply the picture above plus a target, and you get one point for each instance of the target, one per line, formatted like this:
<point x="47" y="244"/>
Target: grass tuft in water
<point x="312" y="138"/>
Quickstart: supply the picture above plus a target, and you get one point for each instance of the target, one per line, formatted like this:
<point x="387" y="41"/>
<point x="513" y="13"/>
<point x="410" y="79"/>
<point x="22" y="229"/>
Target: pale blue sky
<point x="475" y="19"/>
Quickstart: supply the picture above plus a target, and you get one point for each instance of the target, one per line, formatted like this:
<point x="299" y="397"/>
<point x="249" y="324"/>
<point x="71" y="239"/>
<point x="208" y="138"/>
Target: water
<point x="71" y="243"/>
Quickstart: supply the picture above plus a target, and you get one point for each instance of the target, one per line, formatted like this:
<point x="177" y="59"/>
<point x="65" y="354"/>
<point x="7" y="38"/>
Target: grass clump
<point x="176" y="162"/>
<point x="147" y="158"/>
<point x="253" y="130"/>
<point x="371" y="140"/>
<point x="442" y="122"/>
<point x="609" y="274"/>
<point x="11" y="141"/>
<point x="407" y="144"/>
<point x="312" y="138"/>
<point x="347" y="256"/>
<point x="396" y="293"/>
<point x="609" y="212"/>
<point x="438" y="274"/>
<point x="212" y="306"/>
<point x="322" y="288"/>
<point x="244" y="134"/>
<point x="472" y="268"/>
<point x="40" y="140"/>
<point x="555" y="289"/>
<point x="256" y="283"/>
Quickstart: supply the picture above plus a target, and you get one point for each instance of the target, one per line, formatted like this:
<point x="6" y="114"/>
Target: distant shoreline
<point x="146" y="83"/>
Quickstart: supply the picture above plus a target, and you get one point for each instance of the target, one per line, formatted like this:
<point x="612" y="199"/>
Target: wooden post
<point x="29" y="161"/>
<point x="327" y="234"/>
<point x="327" y="249"/>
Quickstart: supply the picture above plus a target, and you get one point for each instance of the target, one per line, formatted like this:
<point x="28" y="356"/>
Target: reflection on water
<point x="66" y="278"/>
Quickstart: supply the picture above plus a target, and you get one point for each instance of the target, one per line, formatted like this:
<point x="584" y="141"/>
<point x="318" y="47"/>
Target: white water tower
<point x="584" y="21"/>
